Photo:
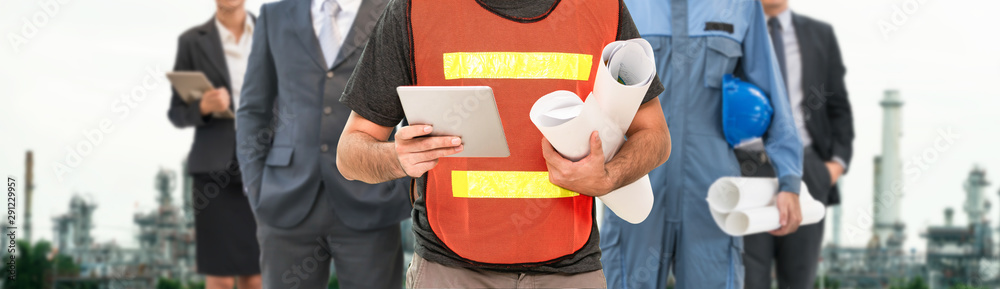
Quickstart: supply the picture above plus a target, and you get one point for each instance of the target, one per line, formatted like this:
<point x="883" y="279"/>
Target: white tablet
<point x="469" y="112"/>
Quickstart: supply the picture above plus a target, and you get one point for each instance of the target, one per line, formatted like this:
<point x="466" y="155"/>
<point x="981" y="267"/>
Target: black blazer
<point x="214" y="147"/>
<point x="826" y="109"/>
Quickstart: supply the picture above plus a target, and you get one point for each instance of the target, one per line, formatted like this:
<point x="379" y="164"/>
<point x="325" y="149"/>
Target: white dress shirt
<point x="237" y="53"/>
<point x="344" y="18"/>
<point x="793" y="66"/>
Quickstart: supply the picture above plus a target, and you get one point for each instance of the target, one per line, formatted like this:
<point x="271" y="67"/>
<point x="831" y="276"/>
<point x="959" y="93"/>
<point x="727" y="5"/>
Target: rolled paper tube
<point x="746" y="205"/>
<point x="730" y="194"/>
<point x="567" y="121"/>
<point x="632" y="202"/>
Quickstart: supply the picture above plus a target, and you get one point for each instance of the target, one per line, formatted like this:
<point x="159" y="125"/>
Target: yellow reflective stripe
<point x="518" y="65"/>
<point x="505" y="185"/>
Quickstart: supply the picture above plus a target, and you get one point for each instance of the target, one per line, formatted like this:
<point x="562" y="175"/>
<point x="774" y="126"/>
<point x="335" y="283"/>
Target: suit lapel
<point x="211" y="45"/>
<point x="807" y="55"/>
<point x="358" y="36"/>
<point x="811" y="86"/>
<point x="301" y="16"/>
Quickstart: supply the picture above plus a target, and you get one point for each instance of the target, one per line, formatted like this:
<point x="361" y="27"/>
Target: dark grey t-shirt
<point x="371" y="93"/>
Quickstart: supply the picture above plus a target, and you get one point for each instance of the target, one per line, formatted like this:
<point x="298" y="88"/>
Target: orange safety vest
<point x="505" y="210"/>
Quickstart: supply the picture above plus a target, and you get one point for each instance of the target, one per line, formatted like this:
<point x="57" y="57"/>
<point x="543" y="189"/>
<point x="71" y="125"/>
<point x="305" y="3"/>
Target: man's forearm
<point x="644" y="151"/>
<point x="364" y="158"/>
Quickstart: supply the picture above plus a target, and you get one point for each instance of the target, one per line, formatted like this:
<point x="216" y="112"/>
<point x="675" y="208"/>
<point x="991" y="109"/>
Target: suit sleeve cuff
<point x="194" y="110"/>
<point x="840" y="161"/>
<point x="791" y="184"/>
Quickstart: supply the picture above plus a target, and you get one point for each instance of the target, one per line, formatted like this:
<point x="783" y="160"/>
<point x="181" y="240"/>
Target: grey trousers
<point x="299" y="257"/>
<point x="427" y="274"/>
<point x="795" y="256"/>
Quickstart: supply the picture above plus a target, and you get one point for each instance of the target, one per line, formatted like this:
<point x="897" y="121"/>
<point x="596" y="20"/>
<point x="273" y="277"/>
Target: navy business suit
<point x="289" y="123"/>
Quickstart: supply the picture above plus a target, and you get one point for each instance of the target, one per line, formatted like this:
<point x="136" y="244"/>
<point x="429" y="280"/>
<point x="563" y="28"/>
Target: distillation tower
<point x="888" y="228"/>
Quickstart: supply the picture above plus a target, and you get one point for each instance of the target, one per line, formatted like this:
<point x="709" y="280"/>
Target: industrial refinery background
<point x="165" y="236"/>
<point x="955" y="254"/>
<point x="117" y="209"/>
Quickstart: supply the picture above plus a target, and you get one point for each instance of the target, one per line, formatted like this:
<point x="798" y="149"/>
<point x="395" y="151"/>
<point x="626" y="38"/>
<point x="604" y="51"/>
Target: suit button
<point x="327" y="110"/>
<point x="324" y="148"/>
<point x="329" y="74"/>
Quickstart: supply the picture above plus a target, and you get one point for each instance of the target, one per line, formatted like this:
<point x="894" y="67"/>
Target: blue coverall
<point x="695" y="43"/>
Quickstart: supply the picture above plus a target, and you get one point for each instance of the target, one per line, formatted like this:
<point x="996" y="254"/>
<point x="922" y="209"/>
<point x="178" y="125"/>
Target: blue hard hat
<point x="746" y="110"/>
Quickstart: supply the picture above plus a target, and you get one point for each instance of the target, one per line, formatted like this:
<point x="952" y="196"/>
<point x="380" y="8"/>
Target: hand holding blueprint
<point x="745" y="205"/>
<point x="623" y="76"/>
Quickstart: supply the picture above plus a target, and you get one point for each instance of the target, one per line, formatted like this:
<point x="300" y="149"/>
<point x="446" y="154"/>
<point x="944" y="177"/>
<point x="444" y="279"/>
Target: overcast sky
<point x="70" y="73"/>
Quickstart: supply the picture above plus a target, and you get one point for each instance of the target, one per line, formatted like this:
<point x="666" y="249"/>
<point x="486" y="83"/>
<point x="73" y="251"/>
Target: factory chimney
<point x="949" y="213"/>
<point x="29" y="187"/>
<point x="889" y="178"/>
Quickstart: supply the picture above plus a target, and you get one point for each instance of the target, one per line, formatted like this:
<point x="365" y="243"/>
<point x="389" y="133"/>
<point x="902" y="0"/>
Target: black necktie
<point x="774" y="27"/>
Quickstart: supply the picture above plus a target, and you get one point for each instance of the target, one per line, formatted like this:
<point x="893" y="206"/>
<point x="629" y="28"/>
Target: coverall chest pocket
<point x="720" y="59"/>
<point x="661" y="55"/>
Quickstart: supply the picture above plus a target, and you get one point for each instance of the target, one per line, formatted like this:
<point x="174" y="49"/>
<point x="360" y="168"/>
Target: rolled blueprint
<point x="746" y="205"/>
<point x="567" y="122"/>
<point x="626" y="70"/>
<point x="623" y="76"/>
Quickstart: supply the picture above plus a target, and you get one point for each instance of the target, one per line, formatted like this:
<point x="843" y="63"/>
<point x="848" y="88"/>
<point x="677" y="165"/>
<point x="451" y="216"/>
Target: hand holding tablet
<point x="467" y="112"/>
<point x="192" y="85"/>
